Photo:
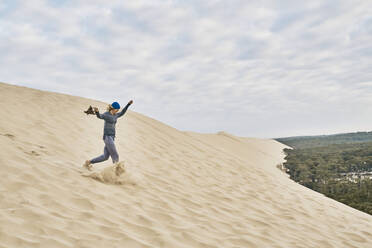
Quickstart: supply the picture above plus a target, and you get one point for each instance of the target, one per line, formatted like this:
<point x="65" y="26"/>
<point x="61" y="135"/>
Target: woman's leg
<point x="101" y="158"/>
<point x="110" y="145"/>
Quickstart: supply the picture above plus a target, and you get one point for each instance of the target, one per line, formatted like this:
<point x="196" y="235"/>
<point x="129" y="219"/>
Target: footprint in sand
<point x="33" y="153"/>
<point x="11" y="136"/>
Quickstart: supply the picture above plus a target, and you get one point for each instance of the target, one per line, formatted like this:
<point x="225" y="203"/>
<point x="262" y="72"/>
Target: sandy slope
<point x="191" y="190"/>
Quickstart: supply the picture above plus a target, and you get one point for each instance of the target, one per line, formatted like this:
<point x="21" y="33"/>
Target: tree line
<point x="335" y="166"/>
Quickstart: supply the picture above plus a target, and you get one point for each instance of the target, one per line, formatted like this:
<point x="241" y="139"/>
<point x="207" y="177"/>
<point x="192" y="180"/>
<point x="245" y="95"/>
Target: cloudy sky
<point x="250" y="68"/>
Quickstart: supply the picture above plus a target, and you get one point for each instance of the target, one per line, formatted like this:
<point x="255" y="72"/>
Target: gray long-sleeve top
<point x="110" y="121"/>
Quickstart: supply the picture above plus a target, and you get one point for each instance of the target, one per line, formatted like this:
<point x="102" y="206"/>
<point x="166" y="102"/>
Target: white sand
<point x="183" y="189"/>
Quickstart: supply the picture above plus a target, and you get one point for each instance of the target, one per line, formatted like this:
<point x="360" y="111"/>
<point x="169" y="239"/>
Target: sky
<point x="250" y="68"/>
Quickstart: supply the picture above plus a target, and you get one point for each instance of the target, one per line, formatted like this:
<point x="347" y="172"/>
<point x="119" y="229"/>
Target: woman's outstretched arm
<point x="125" y="109"/>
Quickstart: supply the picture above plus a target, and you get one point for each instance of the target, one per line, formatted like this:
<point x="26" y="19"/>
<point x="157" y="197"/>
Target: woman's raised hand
<point x="130" y="102"/>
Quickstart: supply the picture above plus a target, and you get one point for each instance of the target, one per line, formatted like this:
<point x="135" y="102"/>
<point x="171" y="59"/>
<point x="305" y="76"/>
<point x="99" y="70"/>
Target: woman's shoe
<point x="87" y="165"/>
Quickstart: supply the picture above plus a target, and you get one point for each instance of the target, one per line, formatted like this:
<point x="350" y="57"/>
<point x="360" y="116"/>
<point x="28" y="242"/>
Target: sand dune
<point x="179" y="189"/>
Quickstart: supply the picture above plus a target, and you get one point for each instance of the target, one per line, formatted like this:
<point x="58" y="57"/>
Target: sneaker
<point x="119" y="168"/>
<point x="87" y="165"/>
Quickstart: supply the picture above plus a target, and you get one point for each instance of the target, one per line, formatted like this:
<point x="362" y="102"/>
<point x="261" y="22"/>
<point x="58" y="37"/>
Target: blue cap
<point x="115" y="105"/>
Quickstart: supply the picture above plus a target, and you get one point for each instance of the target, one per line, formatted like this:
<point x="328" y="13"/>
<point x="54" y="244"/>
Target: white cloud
<point x="246" y="67"/>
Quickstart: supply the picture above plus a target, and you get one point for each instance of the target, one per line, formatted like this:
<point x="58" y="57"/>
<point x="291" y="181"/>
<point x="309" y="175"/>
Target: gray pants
<point x="109" y="150"/>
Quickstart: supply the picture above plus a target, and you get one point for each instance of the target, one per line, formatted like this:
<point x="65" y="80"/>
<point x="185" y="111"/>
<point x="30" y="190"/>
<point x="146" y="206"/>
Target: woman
<point x="110" y="118"/>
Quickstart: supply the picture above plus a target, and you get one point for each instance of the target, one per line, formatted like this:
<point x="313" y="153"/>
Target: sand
<point x="178" y="189"/>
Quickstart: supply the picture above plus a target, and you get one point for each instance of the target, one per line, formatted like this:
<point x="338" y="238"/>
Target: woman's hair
<point x="109" y="108"/>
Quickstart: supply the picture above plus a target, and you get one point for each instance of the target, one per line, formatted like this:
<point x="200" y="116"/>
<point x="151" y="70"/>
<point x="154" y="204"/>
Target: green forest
<point x="338" y="166"/>
<point x="324" y="140"/>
